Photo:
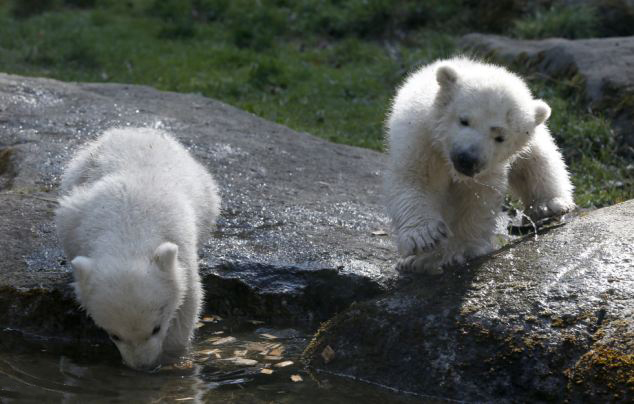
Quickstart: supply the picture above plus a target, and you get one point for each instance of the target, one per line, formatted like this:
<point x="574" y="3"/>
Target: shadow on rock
<point x="536" y="321"/>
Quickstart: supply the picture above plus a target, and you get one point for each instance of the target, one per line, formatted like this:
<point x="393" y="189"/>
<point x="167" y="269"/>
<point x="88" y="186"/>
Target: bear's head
<point x="485" y="116"/>
<point x="133" y="300"/>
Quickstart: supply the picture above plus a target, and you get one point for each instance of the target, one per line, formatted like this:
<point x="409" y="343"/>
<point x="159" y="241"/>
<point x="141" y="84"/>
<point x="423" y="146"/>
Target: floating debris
<point x="266" y="371"/>
<point x="283" y="364"/>
<point x="261" y="347"/>
<point x="296" y="378"/>
<point x="221" y="341"/>
<point x="212" y="318"/>
<point x="182" y="365"/>
<point x="379" y="233"/>
<point x="242" y="361"/>
<point x="208" y="351"/>
<point x="328" y="354"/>
<point x="277" y="351"/>
<point x="268" y="336"/>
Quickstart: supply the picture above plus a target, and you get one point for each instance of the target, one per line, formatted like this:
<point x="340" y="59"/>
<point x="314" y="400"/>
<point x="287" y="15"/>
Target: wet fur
<point x="439" y="215"/>
<point x="134" y="206"/>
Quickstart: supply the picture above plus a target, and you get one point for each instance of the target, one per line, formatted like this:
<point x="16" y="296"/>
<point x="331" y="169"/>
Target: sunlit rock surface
<point x="602" y="69"/>
<point x="550" y="318"/>
<point x="294" y="241"/>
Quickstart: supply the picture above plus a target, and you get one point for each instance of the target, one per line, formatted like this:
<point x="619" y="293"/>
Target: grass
<point x="581" y="21"/>
<point x="601" y="177"/>
<point x="325" y="67"/>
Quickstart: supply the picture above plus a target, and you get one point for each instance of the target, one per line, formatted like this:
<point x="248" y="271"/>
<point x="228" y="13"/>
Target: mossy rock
<point x="546" y="319"/>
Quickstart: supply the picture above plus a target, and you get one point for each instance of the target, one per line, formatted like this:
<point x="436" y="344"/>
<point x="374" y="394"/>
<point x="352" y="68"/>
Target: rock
<point x="550" y="318"/>
<point x="294" y="241"/>
<point x="604" y="68"/>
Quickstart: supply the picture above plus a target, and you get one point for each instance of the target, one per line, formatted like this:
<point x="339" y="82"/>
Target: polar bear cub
<point x="134" y="206"/>
<point x="460" y="133"/>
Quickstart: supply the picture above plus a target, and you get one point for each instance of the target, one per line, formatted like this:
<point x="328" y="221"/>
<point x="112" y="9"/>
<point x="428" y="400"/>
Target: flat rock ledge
<point x="550" y="318"/>
<point x="603" y="68"/>
<point x="297" y="238"/>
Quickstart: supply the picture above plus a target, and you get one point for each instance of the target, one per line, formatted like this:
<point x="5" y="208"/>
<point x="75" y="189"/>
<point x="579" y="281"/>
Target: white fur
<point x="453" y="111"/>
<point x="135" y="204"/>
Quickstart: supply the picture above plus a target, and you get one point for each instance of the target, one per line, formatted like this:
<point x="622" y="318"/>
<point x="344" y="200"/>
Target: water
<point x="230" y="363"/>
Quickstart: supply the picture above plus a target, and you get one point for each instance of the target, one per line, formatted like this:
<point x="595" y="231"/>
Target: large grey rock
<point x="294" y="241"/>
<point x="603" y="67"/>
<point x="548" y="319"/>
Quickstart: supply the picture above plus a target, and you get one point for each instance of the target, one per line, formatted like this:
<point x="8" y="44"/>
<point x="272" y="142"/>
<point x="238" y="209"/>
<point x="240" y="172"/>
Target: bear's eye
<point x="156" y="330"/>
<point x="499" y="139"/>
<point x="115" y="337"/>
<point x="464" y="121"/>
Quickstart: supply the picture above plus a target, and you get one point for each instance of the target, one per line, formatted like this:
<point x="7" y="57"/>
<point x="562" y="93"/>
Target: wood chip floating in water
<point x="208" y="351"/>
<point x="184" y="364"/>
<point x="296" y="378"/>
<point x="283" y="364"/>
<point x="328" y="354"/>
<point x="225" y="340"/>
<point x="379" y="233"/>
<point x="267" y="371"/>
<point x="242" y="361"/>
<point x="277" y="351"/>
<point x="261" y="347"/>
<point x="268" y="336"/>
<point x="212" y="318"/>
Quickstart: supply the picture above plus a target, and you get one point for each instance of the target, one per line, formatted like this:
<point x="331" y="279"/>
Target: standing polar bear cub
<point x="134" y="205"/>
<point x="461" y="133"/>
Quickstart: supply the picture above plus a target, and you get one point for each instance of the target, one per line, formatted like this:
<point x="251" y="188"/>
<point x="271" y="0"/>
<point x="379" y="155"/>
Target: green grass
<point x="580" y="21"/>
<point x="325" y="67"/>
<point x="601" y="177"/>
<point x="334" y="87"/>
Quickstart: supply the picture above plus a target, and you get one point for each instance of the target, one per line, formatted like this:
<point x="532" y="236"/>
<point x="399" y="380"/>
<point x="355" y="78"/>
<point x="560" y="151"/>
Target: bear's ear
<point x="446" y="76"/>
<point x="542" y="112"/>
<point x="165" y="256"/>
<point x="82" y="269"/>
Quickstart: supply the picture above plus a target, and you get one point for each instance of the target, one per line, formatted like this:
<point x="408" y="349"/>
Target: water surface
<point x="244" y="362"/>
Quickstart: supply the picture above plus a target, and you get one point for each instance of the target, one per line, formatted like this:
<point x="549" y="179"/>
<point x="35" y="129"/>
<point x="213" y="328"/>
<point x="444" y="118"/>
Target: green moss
<point x="311" y="350"/>
<point x="606" y="367"/>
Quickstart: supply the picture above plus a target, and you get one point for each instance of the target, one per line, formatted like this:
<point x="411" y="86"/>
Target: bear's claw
<point x="553" y="207"/>
<point x="417" y="264"/>
<point x="423" y="238"/>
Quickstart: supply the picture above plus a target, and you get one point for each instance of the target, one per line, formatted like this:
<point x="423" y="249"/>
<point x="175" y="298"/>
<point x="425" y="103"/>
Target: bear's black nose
<point x="466" y="163"/>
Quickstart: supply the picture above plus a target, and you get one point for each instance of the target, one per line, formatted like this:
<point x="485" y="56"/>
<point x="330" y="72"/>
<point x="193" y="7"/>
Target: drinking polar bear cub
<point x="134" y="205"/>
<point x="460" y="134"/>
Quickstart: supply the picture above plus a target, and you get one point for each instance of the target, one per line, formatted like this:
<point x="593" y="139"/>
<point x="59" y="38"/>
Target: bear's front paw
<point x="553" y="207"/>
<point x="423" y="238"/>
<point x="418" y="264"/>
